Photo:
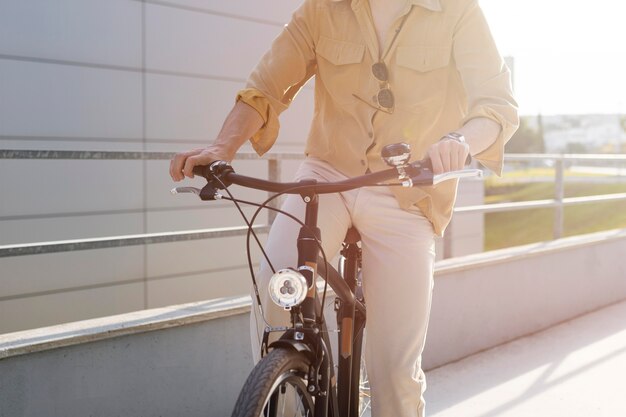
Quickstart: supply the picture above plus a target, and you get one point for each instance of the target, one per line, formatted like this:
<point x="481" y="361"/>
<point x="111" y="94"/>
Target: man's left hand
<point x="448" y="155"/>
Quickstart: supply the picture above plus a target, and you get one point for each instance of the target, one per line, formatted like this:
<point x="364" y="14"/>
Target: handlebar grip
<point x="202" y="170"/>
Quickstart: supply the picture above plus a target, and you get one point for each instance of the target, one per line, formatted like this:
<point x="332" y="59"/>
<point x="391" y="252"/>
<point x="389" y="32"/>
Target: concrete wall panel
<point x="547" y="283"/>
<point x="37" y="274"/>
<point x="198" y="287"/>
<point x="46" y="310"/>
<point x="224" y="216"/>
<point x="89" y="31"/>
<point x="201" y="43"/>
<point x="58" y="186"/>
<point x="197" y="256"/>
<point x="109" y="379"/>
<point x="55" y="143"/>
<point x="59" y="100"/>
<point x="182" y="108"/>
<point x="50" y="228"/>
<point x="278" y="11"/>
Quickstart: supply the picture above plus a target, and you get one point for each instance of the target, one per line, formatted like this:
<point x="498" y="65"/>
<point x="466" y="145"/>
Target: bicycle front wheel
<point x="365" y="398"/>
<point x="277" y="387"/>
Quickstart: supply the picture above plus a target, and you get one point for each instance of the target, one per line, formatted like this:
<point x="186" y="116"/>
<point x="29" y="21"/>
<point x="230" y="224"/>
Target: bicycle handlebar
<point x="410" y="175"/>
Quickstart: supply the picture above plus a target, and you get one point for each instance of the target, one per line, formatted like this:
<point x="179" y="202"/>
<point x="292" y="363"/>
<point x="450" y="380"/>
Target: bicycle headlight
<point x="288" y="288"/>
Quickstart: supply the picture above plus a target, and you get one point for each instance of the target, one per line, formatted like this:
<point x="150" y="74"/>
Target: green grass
<point x="536" y="225"/>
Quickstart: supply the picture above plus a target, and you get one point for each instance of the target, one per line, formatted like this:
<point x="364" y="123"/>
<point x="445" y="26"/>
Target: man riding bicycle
<point x="424" y="72"/>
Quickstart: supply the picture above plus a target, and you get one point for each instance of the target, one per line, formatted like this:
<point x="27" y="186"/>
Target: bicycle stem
<point x="308" y="251"/>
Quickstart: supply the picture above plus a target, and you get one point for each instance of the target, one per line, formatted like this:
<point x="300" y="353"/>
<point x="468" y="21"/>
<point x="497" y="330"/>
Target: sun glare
<point x="568" y="54"/>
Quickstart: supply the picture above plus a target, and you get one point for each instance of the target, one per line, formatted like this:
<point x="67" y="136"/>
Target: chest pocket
<point x="423" y="58"/>
<point x="339" y="67"/>
<point x="340" y="52"/>
<point x="423" y="73"/>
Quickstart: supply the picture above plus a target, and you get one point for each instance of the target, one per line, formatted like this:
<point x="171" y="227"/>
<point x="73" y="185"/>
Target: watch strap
<point x="454" y="136"/>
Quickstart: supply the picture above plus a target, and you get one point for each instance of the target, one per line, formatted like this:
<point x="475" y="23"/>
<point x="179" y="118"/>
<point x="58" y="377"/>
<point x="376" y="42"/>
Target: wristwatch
<point x="454" y="136"/>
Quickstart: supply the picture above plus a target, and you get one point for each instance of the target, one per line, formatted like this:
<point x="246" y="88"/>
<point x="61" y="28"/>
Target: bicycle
<point x="296" y="373"/>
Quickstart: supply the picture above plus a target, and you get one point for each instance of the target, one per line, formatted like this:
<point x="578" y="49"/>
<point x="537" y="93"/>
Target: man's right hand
<point x="182" y="163"/>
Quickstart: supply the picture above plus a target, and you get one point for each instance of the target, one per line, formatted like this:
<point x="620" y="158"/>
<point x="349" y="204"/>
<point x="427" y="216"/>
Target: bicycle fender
<point x="297" y="345"/>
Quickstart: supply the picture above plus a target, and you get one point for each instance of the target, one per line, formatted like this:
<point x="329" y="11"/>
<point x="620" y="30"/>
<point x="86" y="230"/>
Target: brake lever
<point x="421" y="173"/>
<point x="464" y="173"/>
<point x="182" y="190"/>
<point x="208" y="192"/>
<point x="215" y="174"/>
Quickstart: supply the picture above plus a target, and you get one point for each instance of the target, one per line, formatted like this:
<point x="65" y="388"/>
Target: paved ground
<point x="576" y="369"/>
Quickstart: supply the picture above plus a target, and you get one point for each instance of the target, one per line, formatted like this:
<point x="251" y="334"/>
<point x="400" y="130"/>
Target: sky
<point x="570" y="55"/>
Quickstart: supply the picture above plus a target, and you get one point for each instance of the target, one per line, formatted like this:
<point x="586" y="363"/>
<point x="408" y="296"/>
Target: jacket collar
<point x="432" y="5"/>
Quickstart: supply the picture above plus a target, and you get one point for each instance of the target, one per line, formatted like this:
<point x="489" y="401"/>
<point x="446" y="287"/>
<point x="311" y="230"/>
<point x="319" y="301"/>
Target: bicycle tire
<point x="278" y="378"/>
<point x="365" y="397"/>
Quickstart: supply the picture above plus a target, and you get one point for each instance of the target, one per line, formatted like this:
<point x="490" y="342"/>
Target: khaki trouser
<point x="398" y="259"/>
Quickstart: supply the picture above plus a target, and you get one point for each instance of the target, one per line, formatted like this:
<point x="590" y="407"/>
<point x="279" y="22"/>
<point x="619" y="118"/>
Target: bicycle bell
<point x="396" y="154"/>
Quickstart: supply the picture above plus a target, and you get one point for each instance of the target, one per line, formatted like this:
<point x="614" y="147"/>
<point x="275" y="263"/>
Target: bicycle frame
<point x="340" y="398"/>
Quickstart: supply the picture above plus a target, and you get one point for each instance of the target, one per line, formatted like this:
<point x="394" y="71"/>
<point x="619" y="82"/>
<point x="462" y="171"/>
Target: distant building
<point x="596" y="132"/>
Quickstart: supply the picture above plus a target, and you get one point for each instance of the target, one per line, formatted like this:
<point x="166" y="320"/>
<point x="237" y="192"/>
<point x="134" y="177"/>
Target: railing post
<point x="559" y="194"/>
<point x="273" y="174"/>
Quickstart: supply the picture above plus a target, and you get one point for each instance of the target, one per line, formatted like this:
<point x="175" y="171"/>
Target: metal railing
<point x="560" y="162"/>
<point x="558" y="203"/>
<point x="36" y="248"/>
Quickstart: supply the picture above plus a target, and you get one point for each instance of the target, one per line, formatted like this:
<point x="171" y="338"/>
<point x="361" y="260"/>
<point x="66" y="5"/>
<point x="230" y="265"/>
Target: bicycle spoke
<point x="364" y="392"/>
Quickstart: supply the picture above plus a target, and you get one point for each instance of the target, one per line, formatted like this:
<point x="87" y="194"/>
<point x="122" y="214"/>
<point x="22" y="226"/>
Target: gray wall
<point x="121" y="75"/>
<point x="487" y="299"/>
<point x="184" y="371"/>
<point x="197" y="366"/>
<point x="128" y="75"/>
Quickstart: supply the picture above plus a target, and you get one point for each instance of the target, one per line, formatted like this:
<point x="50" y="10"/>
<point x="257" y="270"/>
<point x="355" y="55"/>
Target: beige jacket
<point x="444" y="69"/>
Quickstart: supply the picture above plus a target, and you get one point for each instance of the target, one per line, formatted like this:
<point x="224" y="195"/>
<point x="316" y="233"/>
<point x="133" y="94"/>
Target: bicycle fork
<point x="351" y="322"/>
<point x="321" y="373"/>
